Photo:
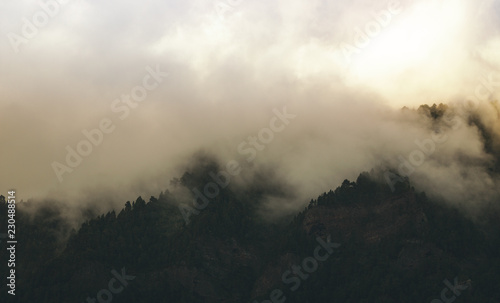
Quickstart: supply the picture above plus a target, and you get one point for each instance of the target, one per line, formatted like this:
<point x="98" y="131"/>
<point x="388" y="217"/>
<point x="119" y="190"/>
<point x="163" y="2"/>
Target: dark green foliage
<point x="227" y="250"/>
<point x="434" y="111"/>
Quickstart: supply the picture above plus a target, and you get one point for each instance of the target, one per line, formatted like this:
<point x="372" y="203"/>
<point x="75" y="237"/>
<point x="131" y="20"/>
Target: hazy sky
<point x="343" y="67"/>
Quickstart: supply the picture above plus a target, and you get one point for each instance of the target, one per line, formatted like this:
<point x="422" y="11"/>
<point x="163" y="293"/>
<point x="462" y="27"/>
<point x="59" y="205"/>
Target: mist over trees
<point x="394" y="245"/>
<point x="233" y="151"/>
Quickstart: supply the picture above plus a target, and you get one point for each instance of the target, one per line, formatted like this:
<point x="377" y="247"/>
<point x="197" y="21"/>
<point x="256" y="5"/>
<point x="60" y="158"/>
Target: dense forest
<point x="361" y="242"/>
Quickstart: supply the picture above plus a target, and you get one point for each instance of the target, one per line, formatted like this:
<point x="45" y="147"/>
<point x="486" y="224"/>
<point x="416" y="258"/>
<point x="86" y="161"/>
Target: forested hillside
<point x="389" y="247"/>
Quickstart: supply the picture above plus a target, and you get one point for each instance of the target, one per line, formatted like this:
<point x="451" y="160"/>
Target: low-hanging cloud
<point x="225" y="78"/>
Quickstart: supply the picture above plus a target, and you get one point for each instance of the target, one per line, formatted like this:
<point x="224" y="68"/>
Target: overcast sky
<point x="343" y="66"/>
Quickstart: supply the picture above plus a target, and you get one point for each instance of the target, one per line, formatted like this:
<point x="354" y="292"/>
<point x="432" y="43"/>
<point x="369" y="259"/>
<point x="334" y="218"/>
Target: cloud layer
<point x="344" y="70"/>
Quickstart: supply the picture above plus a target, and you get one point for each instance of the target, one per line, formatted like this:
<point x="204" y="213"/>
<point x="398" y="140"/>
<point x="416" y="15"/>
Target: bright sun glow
<point x="412" y="40"/>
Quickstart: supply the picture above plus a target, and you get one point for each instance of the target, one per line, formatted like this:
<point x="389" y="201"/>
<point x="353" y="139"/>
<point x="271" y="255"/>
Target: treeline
<point x="229" y="254"/>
